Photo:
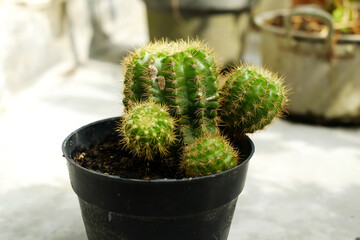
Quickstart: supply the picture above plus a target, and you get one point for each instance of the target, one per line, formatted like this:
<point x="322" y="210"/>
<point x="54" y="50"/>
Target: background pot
<point x="118" y="208"/>
<point x="222" y="24"/>
<point x="323" y="77"/>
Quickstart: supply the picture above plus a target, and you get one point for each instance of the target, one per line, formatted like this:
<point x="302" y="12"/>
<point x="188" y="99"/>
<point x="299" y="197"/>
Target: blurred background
<point x="60" y="69"/>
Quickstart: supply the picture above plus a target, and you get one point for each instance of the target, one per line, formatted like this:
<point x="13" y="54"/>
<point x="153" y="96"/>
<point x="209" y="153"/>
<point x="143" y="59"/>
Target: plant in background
<point x="183" y="75"/>
<point x="345" y="15"/>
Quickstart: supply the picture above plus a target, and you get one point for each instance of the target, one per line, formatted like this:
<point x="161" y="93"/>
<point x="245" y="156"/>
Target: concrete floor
<point x="303" y="181"/>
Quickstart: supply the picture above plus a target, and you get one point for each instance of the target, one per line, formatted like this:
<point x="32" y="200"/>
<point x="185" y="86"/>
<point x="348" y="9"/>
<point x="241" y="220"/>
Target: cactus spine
<point x="250" y="99"/>
<point x="209" y="155"/>
<point x="148" y="129"/>
<point x="181" y="74"/>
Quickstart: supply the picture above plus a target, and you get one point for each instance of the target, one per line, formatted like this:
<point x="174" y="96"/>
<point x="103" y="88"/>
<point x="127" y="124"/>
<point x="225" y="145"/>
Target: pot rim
<point x="298" y="35"/>
<point x="162" y="180"/>
<point x="204" y="6"/>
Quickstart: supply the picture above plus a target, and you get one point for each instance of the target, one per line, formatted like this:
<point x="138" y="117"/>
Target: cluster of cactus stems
<point x="172" y="95"/>
<point x="180" y="74"/>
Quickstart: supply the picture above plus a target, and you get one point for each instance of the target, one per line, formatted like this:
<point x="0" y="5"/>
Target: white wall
<point x="34" y="35"/>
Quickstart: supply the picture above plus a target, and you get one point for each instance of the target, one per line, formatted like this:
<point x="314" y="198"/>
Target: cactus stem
<point x="176" y="73"/>
<point x="144" y="134"/>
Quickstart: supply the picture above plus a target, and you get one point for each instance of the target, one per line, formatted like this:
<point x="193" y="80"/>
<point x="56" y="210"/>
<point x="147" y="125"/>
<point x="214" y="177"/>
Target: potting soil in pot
<point x="309" y="24"/>
<point x="110" y="158"/>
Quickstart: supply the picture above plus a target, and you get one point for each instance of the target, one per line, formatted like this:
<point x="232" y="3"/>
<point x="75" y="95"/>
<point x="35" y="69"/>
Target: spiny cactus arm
<point x="192" y="90"/>
<point x="202" y="89"/>
<point x="251" y="98"/>
<point x="142" y="81"/>
<point x="148" y="129"/>
<point x="176" y="95"/>
<point x="183" y="75"/>
<point x="207" y="155"/>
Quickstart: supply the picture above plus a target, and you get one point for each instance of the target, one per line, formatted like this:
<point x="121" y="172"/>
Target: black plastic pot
<point x="166" y="209"/>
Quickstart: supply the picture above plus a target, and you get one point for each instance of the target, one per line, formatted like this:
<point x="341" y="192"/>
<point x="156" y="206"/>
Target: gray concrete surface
<point x="303" y="181"/>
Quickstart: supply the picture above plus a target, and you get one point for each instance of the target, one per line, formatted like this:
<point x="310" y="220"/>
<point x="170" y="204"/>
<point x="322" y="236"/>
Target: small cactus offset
<point x="250" y="99"/>
<point x="181" y="74"/>
<point x="148" y="129"/>
<point x="209" y="155"/>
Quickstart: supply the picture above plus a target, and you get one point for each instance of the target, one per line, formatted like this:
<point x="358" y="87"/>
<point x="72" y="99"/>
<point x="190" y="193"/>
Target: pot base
<point x="102" y="224"/>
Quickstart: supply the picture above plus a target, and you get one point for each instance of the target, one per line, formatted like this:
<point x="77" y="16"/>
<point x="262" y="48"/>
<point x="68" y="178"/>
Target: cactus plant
<point x="181" y="74"/>
<point x="208" y="155"/>
<point x="250" y="99"/>
<point x="170" y="132"/>
<point x="148" y="129"/>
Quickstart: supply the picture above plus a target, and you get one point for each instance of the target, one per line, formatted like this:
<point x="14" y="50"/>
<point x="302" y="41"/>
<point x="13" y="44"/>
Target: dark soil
<point x="309" y="24"/>
<point x="109" y="158"/>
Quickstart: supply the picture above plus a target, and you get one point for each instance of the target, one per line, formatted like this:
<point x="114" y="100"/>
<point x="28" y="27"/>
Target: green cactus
<point x="148" y="129"/>
<point x="183" y="75"/>
<point x="250" y="99"/>
<point x="208" y="155"/>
